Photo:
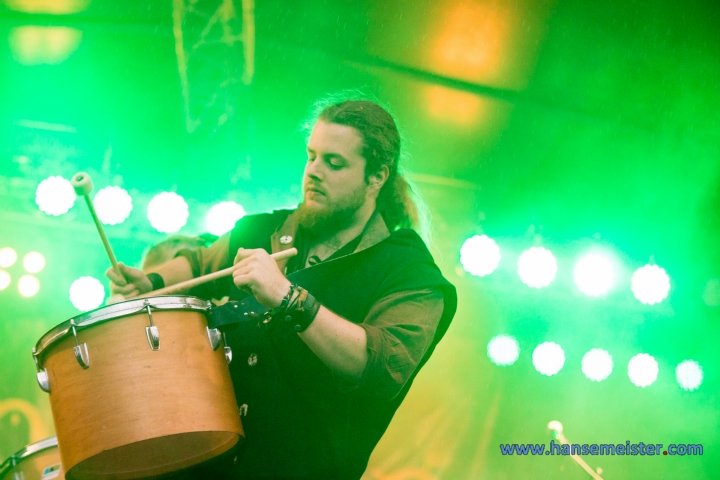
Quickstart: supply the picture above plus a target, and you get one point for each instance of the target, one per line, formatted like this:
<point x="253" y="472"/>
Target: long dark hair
<point x="381" y="146"/>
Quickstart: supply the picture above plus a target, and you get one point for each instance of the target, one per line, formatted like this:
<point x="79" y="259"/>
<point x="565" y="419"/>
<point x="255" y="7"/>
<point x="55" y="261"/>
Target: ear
<point x="378" y="179"/>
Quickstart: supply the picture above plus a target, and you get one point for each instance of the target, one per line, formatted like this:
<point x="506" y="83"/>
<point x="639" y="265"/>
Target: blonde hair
<point x="167" y="249"/>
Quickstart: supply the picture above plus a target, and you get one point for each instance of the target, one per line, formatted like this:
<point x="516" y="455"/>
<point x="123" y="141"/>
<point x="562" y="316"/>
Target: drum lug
<point x="82" y="355"/>
<point x="228" y="350"/>
<point x="214" y="336"/>
<point x="152" y="333"/>
<point x="81" y="351"/>
<point x="43" y="380"/>
<point x="153" y="337"/>
<point x="42" y="376"/>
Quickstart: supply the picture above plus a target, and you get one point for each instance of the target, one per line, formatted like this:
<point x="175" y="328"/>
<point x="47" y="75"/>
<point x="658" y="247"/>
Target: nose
<point x="313" y="170"/>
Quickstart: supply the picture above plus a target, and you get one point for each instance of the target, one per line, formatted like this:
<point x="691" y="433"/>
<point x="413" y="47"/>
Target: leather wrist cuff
<point x="302" y="310"/>
<point x="156" y="280"/>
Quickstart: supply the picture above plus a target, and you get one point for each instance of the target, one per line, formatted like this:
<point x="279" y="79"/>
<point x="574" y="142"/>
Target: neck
<point x="353" y="228"/>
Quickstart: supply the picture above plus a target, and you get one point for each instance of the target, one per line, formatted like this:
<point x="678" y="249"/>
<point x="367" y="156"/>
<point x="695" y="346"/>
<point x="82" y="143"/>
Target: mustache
<point x="315" y="187"/>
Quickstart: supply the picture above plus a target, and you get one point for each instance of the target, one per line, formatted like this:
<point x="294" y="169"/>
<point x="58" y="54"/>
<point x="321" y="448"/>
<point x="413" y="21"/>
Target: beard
<point x="326" y="220"/>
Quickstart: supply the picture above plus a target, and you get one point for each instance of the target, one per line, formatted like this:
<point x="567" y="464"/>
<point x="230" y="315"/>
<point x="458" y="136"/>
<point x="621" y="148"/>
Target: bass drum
<point x="37" y="461"/>
<point x="138" y="389"/>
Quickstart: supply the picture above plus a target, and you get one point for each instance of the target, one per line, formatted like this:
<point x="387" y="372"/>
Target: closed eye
<point x="335" y="162"/>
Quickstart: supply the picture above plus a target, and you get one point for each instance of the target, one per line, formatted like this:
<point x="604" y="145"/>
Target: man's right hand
<point x="131" y="283"/>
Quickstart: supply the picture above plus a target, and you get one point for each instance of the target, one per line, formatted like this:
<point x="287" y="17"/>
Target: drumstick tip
<point x="82" y="183"/>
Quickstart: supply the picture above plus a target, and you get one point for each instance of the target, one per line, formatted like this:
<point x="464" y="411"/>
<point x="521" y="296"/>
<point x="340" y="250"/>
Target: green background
<point x="567" y="124"/>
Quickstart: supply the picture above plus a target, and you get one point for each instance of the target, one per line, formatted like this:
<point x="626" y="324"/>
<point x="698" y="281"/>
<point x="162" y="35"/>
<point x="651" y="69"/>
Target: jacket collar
<point x="284" y="237"/>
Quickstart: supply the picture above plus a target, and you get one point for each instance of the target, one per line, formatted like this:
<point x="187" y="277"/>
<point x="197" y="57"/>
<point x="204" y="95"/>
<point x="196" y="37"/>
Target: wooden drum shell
<point x="136" y="412"/>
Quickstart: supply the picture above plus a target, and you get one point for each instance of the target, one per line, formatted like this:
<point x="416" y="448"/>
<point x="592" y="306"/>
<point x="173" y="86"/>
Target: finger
<point x="241" y="269"/>
<point x="242" y="254"/>
<point x="133" y="294"/>
<point x="115" y="278"/>
<point x="130" y="273"/>
<point x="242" y="280"/>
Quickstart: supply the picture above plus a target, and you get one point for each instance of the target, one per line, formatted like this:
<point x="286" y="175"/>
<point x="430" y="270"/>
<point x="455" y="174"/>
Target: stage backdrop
<point x="573" y="126"/>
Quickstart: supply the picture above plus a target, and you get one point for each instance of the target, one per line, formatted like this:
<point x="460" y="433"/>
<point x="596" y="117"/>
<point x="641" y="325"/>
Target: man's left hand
<point x="257" y="271"/>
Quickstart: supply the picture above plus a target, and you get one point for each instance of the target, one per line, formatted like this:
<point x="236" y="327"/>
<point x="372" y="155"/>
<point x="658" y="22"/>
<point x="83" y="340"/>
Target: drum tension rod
<point x="151" y="332"/>
<point x="81" y="351"/>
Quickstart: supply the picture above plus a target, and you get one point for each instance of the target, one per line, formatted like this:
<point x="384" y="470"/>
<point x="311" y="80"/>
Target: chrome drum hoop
<point x="113" y="312"/>
<point x="26" y="451"/>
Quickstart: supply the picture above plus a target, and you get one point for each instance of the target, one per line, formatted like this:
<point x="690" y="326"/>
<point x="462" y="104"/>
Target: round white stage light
<point x="642" y="370"/>
<point x="222" y="217"/>
<point x="55" y="196"/>
<point x="168" y="212"/>
<point x="480" y="255"/>
<point x="548" y="358"/>
<point x="87" y="293"/>
<point x="113" y="205"/>
<point x="503" y="350"/>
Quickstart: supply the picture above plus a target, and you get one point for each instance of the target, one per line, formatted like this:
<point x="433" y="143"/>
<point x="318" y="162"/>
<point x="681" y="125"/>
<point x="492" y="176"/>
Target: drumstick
<point x="291" y="252"/>
<point x="83" y="185"/>
<point x="557" y="429"/>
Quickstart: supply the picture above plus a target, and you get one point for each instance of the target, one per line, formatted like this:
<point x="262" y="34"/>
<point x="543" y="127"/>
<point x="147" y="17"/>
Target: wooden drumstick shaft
<point x="557" y="428"/>
<point x="82" y="184"/>
<point x="291" y="252"/>
<point x="105" y="241"/>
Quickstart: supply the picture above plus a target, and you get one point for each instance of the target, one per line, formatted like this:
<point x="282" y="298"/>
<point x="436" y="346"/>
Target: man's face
<point x="334" y="186"/>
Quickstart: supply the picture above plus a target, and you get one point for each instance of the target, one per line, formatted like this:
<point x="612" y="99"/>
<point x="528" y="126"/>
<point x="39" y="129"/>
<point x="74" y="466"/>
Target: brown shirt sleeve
<point x="204" y="260"/>
<point x="400" y="328"/>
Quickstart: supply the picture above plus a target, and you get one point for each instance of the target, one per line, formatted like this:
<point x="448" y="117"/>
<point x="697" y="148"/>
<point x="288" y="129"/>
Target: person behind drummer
<point x="350" y="320"/>
<point x="164" y="251"/>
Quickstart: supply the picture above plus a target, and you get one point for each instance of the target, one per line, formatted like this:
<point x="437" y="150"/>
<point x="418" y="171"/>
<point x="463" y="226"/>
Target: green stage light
<point x="34" y="262"/>
<point x="4" y="279"/>
<point x="537" y="267"/>
<point x="113" y="205"/>
<point x="167" y="212"/>
<point x="480" y="255"/>
<point x="650" y="284"/>
<point x="689" y="375"/>
<point x="87" y="293"/>
<point x="55" y="196"/>
<point x="28" y="285"/>
<point x="597" y="364"/>
<point x="222" y="217"/>
<point x="8" y="257"/>
<point x="548" y="358"/>
<point x="594" y="275"/>
<point x="503" y="350"/>
<point x="642" y="370"/>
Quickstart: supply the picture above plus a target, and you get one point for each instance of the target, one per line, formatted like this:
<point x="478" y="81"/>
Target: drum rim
<point x="115" y="311"/>
<point x="27" y="451"/>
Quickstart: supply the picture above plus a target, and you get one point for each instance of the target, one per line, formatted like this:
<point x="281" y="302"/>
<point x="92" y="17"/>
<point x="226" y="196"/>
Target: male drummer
<point x="326" y="344"/>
